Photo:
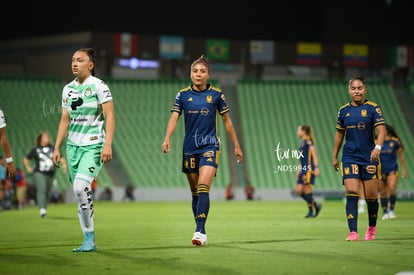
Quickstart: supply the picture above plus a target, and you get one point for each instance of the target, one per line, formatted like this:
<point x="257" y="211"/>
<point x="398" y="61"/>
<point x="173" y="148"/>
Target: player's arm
<point x="400" y="153"/>
<point x="232" y="133"/>
<point x="339" y="138"/>
<point x="381" y="131"/>
<point x="171" y="126"/>
<point x="315" y="160"/>
<point x="108" y="109"/>
<point x="4" y="141"/>
<point x="27" y="165"/>
<point x="61" y="135"/>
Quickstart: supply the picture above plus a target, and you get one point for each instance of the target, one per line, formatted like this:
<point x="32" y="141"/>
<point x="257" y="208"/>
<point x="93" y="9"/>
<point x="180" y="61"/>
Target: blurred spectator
<point x="44" y="170"/>
<point x="94" y="186"/>
<point x="129" y="193"/>
<point x="229" y="192"/>
<point x="19" y="185"/>
<point x="249" y="191"/>
<point x="55" y="195"/>
<point x="106" y="194"/>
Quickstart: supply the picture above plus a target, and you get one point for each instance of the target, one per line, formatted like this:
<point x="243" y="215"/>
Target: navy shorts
<point x="358" y="171"/>
<point x="306" y="177"/>
<point x="193" y="162"/>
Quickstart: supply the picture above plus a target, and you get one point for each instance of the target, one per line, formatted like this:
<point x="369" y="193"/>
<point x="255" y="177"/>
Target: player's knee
<point x="81" y="188"/>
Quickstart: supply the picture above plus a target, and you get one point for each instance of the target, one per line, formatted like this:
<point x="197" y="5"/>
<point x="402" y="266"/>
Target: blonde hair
<point x="202" y="59"/>
<point x="308" y="131"/>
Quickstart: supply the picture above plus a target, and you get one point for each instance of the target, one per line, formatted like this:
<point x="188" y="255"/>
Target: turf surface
<point x="244" y="237"/>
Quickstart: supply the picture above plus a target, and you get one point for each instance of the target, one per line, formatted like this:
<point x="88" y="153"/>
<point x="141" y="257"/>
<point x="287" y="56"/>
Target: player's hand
<point x="375" y="153"/>
<point x="335" y="164"/>
<point x="56" y="158"/>
<point x="11" y="170"/>
<point x="239" y="155"/>
<point x="166" y="147"/>
<point x="106" y="153"/>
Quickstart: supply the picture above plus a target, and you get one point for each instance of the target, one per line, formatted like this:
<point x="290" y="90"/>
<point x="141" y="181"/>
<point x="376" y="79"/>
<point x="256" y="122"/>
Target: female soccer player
<point x="308" y="169"/>
<point x="5" y="145"/>
<point x="87" y="106"/>
<point x="391" y="148"/>
<point x="356" y="123"/>
<point x="200" y="103"/>
<point x="44" y="171"/>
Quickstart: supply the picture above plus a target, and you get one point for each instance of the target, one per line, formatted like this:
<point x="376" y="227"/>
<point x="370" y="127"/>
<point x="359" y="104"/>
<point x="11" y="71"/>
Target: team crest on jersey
<point x="346" y="170"/>
<point x="209" y="99"/>
<point x="88" y="92"/>
<point x="363" y="112"/>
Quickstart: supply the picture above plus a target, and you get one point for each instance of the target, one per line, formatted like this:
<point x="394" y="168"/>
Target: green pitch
<point x="245" y="237"/>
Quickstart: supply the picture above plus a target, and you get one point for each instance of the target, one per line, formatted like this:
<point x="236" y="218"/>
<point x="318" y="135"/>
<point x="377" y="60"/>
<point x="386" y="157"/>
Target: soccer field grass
<point x="244" y="237"/>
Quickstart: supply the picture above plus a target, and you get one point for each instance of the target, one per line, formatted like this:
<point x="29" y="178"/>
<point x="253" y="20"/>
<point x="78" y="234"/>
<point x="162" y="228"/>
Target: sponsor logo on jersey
<point x="208" y="154"/>
<point x="361" y="126"/>
<point x="371" y="169"/>
<point x="204" y="111"/>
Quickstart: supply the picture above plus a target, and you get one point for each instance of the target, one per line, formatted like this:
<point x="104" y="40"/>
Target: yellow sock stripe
<point x="371" y="199"/>
<point x="203" y="188"/>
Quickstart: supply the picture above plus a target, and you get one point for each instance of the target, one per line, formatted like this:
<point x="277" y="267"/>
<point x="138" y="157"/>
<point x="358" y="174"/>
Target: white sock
<point x="83" y="192"/>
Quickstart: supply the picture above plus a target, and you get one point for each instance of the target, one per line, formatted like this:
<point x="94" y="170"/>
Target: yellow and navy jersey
<point x="200" y="109"/>
<point x="359" y="124"/>
<point x="306" y="158"/>
<point x="388" y="157"/>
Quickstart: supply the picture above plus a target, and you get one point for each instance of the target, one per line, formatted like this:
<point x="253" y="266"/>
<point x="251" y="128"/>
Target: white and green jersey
<point x="2" y="119"/>
<point x="83" y="102"/>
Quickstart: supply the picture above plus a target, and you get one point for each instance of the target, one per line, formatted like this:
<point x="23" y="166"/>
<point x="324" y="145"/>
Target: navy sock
<point x="203" y="207"/>
<point x="352" y="211"/>
<point x="393" y="200"/>
<point x="372" y="205"/>
<point x="194" y="201"/>
<point x="384" y="204"/>
<point x="309" y="200"/>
